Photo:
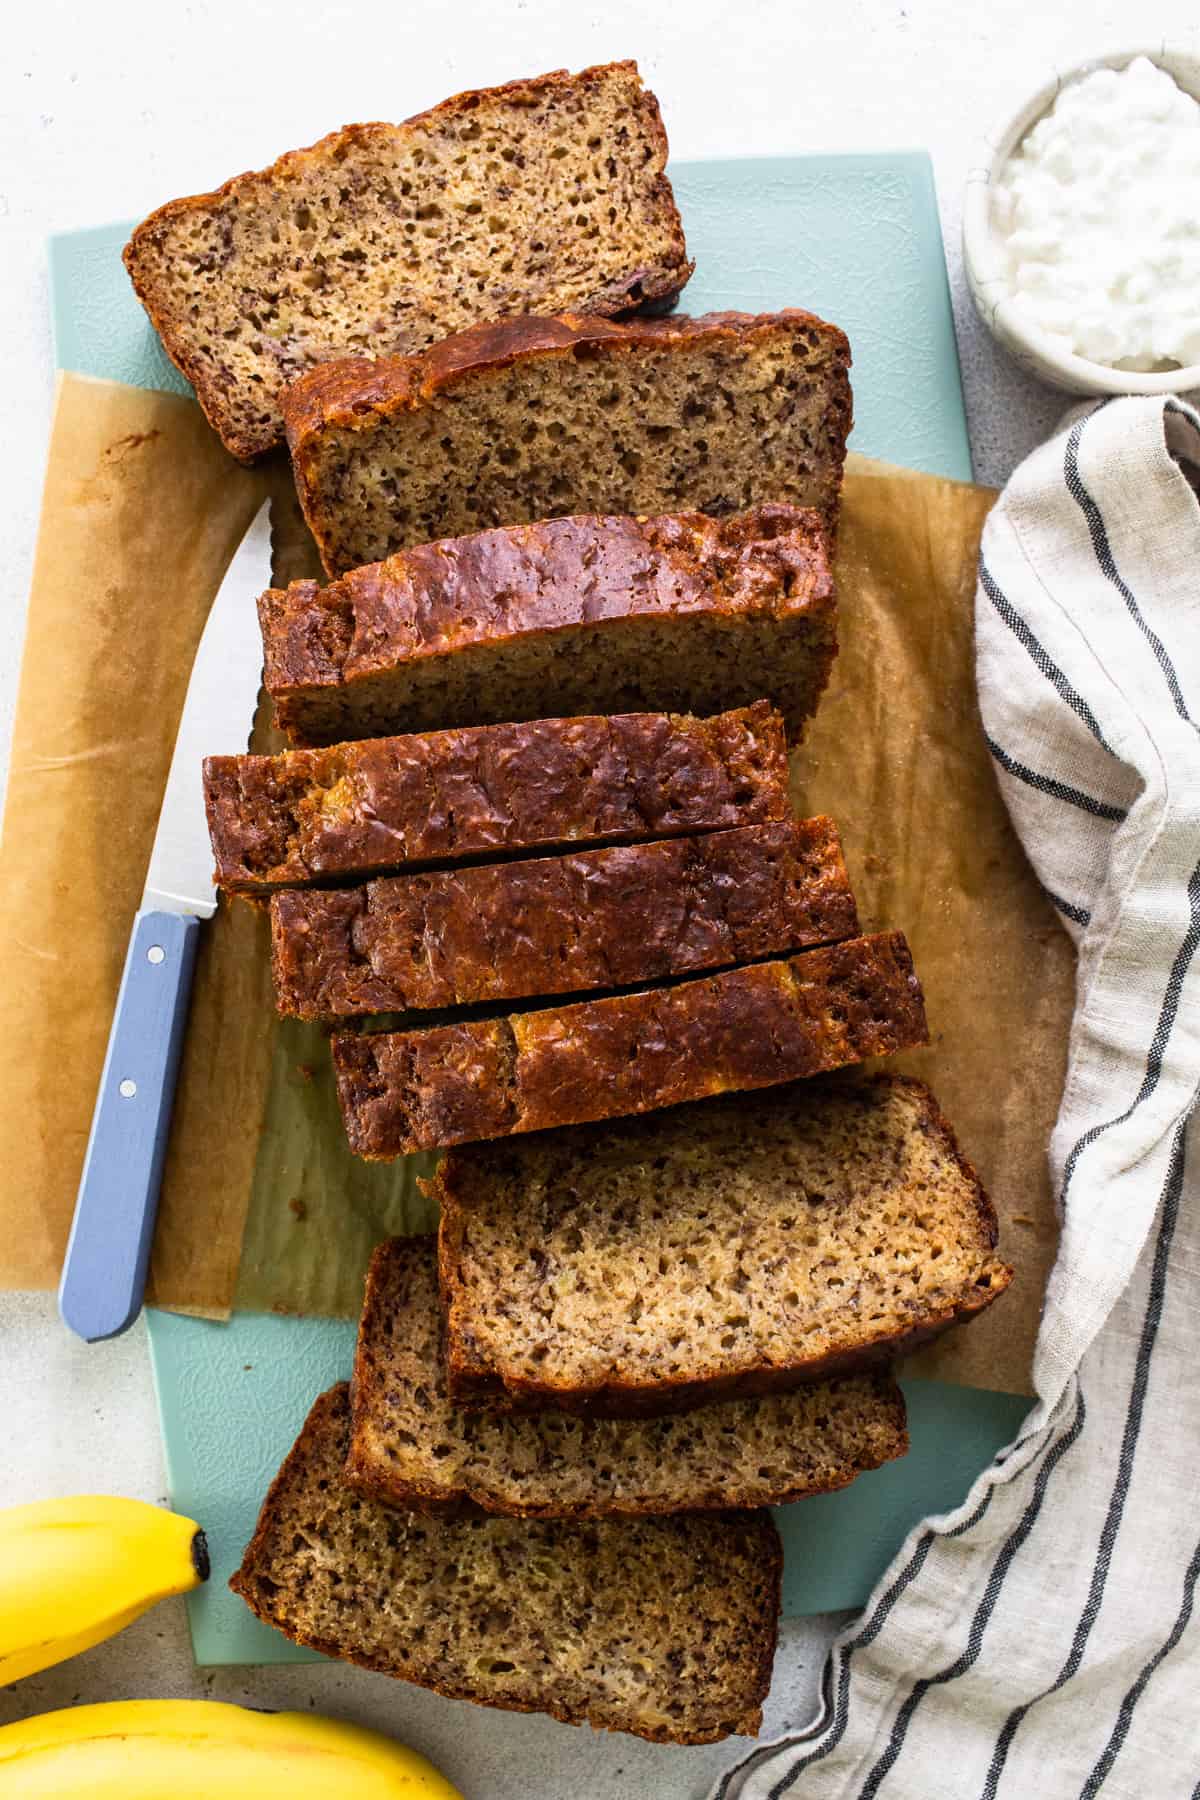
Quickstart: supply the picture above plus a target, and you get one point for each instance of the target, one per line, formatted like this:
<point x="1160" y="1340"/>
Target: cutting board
<point x="857" y="239"/>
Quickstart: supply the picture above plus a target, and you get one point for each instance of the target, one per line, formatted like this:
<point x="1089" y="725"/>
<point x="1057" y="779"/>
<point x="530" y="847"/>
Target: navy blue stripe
<point x="985" y="1609"/>
<point x="1162" y="1032"/>
<point x="1044" y="663"/>
<point x="1108" y="565"/>
<point x="1079" y="914"/>
<point x="858" y="1642"/>
<point x="1120" y="1730"/>
<point x="1116" y="1505"/>
<point x="1057" y="790"/>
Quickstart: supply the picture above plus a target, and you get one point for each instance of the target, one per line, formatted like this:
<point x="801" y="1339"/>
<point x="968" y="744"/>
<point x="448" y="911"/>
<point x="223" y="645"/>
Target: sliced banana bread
<point x="683" y="613"/>
<point x="410" y="1446"/>
<point x="541" y="194"/>
<point x="738" y="1247"/>
<point x="660" y="1627"/>
<point x="537" y="417"/>
<point x="384" y="803"/>
<point x="561" y="924"/>
<point x="560" y="1065"/>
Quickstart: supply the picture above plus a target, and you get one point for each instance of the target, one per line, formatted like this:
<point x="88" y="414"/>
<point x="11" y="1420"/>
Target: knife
<point x="104" y="1274"/>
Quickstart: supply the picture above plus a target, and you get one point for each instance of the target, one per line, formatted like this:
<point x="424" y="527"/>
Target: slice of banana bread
<point x="561" y="1065"/>
<point x="561" y="924"/>
<point x="545" y="193"/>
<point x="660" y="1627"/>
<point x="682" y="613"/>
<point x="437" y="797"/>
<point x="411" y="1447"/>
<point x="533" y="418"/>
<point x="738" y="1247"/>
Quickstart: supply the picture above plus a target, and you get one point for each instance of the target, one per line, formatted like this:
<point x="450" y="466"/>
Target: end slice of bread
<point x="664" y="1628"/>
<point x="544" y="193"/>
<point x="742" y="1246"/>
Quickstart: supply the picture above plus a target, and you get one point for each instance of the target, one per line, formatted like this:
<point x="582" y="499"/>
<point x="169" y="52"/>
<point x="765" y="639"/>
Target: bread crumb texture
<point x="412" y="1446"/>
<point x="748" y="1240"/>
<point x="544" y="194"/>
<point x="660" y="1627"/>
<point x="537" y="418"/>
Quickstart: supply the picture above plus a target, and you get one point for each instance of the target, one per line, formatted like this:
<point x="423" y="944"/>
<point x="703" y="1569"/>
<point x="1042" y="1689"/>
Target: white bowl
<point x="984" y="260"/>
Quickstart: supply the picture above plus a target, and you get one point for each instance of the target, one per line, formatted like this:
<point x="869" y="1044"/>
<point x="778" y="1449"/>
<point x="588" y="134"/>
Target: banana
<point x="75" y="1571"/>
<point x="196" y="1749"/>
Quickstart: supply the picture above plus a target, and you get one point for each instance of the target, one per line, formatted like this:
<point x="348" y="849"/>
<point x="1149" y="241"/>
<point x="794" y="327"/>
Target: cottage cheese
<point x="1098" y="214"/>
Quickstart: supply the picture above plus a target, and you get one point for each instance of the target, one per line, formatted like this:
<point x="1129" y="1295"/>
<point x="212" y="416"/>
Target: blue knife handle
<point x="104" y="1274"/>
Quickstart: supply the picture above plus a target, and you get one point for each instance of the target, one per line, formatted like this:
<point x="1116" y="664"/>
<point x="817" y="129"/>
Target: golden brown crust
<point x="351" y="393"/>
<point x="329" y="1414"/>
<point x="558" y="925"/>
<point x="437" y="797"/>
<point x="352" y="659"/>
<point x="654" y="286"/>
<point x="749" y="1027"/>
<point x="473" y="1382"/>
<point x="389" y="1296"/>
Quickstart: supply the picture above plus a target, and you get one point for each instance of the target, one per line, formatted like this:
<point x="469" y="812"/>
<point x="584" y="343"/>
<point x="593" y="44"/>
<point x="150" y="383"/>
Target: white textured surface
<point x="106" y="111"/>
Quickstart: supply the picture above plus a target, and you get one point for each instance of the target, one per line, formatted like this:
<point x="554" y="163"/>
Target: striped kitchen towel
<point x="1044" y="1639"/>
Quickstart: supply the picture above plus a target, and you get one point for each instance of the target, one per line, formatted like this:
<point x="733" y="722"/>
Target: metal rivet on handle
<point x="127" y="1089"/>
<point x="155" y="953"/>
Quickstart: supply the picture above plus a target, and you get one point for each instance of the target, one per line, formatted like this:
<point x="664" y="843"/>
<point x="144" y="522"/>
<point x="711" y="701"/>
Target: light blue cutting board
<point x="857" y="239"/>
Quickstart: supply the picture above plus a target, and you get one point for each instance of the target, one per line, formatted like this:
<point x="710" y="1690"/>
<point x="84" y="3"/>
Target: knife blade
<point x="104" y="1272"/>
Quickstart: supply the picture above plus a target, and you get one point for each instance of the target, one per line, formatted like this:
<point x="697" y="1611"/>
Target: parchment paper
<point x="141" y="511"/>
<point x="896" y="754"/>
<point x="263" y="1206"/>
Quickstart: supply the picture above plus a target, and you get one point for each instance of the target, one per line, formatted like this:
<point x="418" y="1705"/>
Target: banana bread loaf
<point x="737" y="1247"/>
<point x="533" y="418"/>
<point x="386" y="803"/>
<point x="411" y="1447"/>
<point x="560" y="1065"/>
<point x="561" y="924"/>
<point x="541" y="194"/>
<point x="682" y="613"/>
<point x="660" y="1627"/>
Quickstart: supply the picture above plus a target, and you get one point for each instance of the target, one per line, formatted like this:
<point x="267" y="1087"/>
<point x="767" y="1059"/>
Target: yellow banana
<point x="74" y="1571"/>
<point x="195" y="1749"/>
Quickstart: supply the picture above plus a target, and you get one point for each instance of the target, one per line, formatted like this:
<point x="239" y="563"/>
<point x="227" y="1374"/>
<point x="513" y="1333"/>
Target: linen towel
<point x="1043" y="1640"/>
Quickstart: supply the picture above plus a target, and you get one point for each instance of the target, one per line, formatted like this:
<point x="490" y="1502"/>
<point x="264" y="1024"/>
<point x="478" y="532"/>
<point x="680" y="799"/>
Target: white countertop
<point x="105" y="112"/>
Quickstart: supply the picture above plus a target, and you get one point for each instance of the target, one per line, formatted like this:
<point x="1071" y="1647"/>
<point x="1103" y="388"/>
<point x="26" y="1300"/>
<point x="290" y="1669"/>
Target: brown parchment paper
<point x="140" y="514"/>
<point x="262" y="1204"/>
<point x="896" y="754"/>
